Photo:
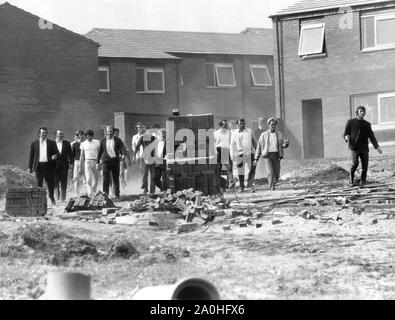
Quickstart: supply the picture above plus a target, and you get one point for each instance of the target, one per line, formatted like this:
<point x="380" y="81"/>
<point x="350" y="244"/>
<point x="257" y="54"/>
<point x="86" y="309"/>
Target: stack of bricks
<point x="196" y="174"/>
<point x="26" y="202"/>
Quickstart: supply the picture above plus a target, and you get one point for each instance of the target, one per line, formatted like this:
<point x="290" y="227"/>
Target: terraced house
<point x="330" y="57"/>
<point x="144" y="75"/>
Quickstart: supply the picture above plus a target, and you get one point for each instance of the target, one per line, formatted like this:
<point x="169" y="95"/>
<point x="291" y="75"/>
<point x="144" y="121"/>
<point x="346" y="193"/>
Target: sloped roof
<point x="316" y="5"/>
<point x="8" y="6"/>
<point x="121" y="43"/>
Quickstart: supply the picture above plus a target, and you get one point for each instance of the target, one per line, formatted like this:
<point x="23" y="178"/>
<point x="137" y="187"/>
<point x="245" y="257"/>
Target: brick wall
<point x="229" y="103"/>
<point x="344" y="72"/>
<point x="47" y="78"/>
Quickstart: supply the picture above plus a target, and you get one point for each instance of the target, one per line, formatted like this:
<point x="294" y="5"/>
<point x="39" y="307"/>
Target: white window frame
<point x="107" y="69"/>
<point x="224" y="65"/>
<point x="154" y="70"/>
<point x="380" y="122"/>
<point x="260" y="66"/>
<point x="379" y="17"/>
<point x="311" y="26"/>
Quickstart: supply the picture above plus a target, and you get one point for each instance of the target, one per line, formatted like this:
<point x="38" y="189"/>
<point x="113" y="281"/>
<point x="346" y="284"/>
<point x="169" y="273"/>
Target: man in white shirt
<point x="89" y="153"/>
<point x="242" y="146"/>
<point x="270" y="146"/>
<point x="42" y="161"/>
<point x="137" y="156"/>
<point x="111" y="151"/>
<point x="222" y="147"/>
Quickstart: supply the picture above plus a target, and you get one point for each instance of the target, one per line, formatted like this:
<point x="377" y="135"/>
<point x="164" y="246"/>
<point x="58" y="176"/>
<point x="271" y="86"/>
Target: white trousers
<point x="91" y="176"/>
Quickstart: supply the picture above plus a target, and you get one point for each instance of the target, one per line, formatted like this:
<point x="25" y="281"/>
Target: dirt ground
<point x="342" y="254"/>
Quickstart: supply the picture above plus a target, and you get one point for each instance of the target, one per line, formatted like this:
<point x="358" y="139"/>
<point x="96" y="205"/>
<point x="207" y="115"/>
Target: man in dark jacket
<point x="356" y="134"/>
<point x="110" y="152"/>
<point x="42" y="161"/>
<point x="64" y="162"/>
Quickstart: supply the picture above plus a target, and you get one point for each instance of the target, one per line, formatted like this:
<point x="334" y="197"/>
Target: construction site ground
<point x="291" y="251"/>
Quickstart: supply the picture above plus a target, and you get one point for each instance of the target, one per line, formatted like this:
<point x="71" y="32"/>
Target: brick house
<point x="144" y="75"/>
<point x="330" y="57"/>
<point x="48" y="77"/>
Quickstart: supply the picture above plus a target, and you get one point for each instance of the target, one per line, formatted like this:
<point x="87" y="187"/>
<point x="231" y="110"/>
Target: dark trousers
<point x="251" y="174"/>
<point x="61" y="173"/>
<point x="148" y="168"/>
<point x="160" y="177"/>
<point x="111" y="167"/>
<point x="46" y="171"/>
<point x="223" y="159"/>
<point x="364" y="156"/>
<point x="272" y="163"/>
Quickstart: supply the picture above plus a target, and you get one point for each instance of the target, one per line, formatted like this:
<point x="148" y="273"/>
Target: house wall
<point x="229" y="103"/>
<point x="47" y="78"/>
<point x="345" y="71"/>
<point x="192" y="95"/>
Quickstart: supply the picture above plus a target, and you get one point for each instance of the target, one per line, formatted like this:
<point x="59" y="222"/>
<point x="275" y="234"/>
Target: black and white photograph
<point x="223" y="150"/>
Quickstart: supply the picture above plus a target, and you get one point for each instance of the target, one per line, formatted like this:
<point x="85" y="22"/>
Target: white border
<point x="311" y="26"/>
<point x="260" y="66"/>
<point x="106" y="69"/>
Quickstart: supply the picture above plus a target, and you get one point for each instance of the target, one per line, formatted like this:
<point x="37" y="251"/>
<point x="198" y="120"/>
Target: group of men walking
<point x="238" y="149"/>
<point x="243" y="148"/>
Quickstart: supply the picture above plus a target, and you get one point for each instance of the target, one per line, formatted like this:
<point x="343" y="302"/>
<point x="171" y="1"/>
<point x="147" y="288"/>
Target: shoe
<point x="253" y="189"/>
<point x="53" y="202"/>
<point x="362" y="183"/>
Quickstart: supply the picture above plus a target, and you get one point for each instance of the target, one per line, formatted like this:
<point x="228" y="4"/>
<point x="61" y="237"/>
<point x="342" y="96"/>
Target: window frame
<point x="107" y="69"/>
<point x="261" y="66"/>
<point x="379" y="96"/>
<point x="312" y="25"/>
<point x="145" y="80"/>
<point x="379" y="16"/>
<point x="215" y="75"/>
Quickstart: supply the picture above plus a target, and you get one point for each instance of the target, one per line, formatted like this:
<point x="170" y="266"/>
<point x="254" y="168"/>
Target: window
<point x="150" y="80"/>
<point x="104" y="79"/>
<point x="260" y="75"/>
<point x="377" y="30"/>
<point x="311" y="39"/>
<point x="220" y="75"/>
<point x="380" y="108"/>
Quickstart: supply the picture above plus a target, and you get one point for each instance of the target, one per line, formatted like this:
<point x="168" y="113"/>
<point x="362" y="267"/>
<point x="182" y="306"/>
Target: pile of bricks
<point x="97" y="202"/>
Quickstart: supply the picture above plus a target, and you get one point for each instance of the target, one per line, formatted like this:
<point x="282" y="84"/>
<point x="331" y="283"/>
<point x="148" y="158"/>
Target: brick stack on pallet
<point x="196" y="174"/>
<point x="26" y="202"/>
<point x="97" y="201"/>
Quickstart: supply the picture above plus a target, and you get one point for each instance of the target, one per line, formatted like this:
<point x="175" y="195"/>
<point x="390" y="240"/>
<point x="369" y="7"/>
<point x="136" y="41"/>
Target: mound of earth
<point x="333" y="173"/>
<point x="48" y="241"/>
<point x="14" y="177"/>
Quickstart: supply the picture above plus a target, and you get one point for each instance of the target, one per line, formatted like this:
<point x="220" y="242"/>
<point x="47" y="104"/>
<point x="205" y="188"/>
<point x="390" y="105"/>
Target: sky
<point x="174" y="15"/>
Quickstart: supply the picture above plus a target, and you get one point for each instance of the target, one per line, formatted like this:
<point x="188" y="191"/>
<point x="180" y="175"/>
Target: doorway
<point x="313" y="138"/>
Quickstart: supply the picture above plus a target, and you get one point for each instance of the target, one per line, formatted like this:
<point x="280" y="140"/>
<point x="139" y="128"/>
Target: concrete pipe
<point x="67" y="286"/>
<point x="186" y="289"/>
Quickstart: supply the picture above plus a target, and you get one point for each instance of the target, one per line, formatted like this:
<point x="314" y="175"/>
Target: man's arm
<point x="253" y="142"/>
<point x="31" y="157"/>
<point x="100" y="153"/>
<point x="347" y="131"/>
<point x="70" y="154"/>
<point x="137" y="148"/>
<point x="373" y="139"/>
<point x="259" y="148"/>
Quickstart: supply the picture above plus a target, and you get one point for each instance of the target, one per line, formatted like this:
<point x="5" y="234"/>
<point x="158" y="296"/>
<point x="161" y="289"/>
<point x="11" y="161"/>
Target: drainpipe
<point x="280" y="72"/>
<point x="178" y="84"/>
<point x="243" y="87"/>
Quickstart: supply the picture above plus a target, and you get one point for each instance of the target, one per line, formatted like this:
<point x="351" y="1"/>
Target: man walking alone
<point x="356" y="134"/>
